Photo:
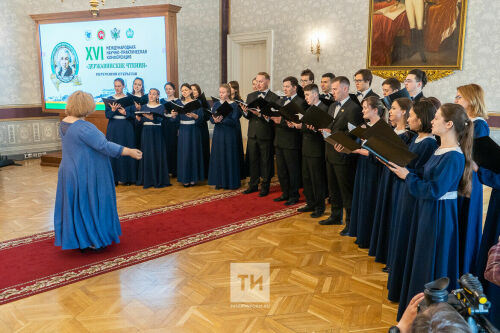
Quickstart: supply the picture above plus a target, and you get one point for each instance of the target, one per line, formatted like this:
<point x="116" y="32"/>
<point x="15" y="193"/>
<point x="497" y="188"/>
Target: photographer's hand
<point x="410" y="313"/>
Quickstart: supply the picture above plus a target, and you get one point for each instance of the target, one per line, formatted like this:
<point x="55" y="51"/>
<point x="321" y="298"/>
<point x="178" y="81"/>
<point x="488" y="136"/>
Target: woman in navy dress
<point x="446" y="172"/>
<point x="190" y="168"/>
<point x="470" y="209"/>
<point x="85" y="214"/>
<point x="491" y="233"/>
<point x="138" y="91"/>
<point x="386" y="200"/>
<point x="224" y="169"/>
<point x="368" y="171"/>
<point x="235" y="96"/>
<point x="424" y="145"/>
<point x="170" y="128"/>
<point x="153" y="168"/>
<point x="121" y="130"/>
<point x="205" y="135"/>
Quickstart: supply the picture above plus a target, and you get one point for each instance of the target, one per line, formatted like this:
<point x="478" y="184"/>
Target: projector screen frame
<point x="168" y="11"/>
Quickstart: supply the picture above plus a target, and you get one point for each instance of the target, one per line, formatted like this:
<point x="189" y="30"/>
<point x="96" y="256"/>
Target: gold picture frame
<point x="424" y="34"/>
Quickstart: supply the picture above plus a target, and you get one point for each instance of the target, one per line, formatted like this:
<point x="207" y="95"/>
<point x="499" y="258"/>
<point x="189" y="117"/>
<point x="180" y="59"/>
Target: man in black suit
<point x="390" y="86"/>
<point x="260" y="138"/>
<point x="313" y="159"/>
<point x="415" y="81"/>
<point x="363" y="80"/>
<point x="340" y="167"/>
<point x="306" y="77"/>
<point x="287" y="143"/>
<point x="326" y="86"/>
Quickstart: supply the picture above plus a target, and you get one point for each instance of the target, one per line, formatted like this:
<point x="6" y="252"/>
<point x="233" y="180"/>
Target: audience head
<point x="311" y="94"/>
<point x="169" y="88"/>
<point x="373" y="109"/>
<point x="138" y="86"/>
<point x="306" y="77"/>
<point x="471" y="97"/>
<point x="326" y="82"/>
<point x="262" y="79"/>
<point x="340" y="88"/>
<point x="235" y="90"/>
<point x="154" y="95"/>
<point x="254" y="84"/>
<point x="196" y="90"/>
<point x="440" y="317"/>
<point x="421" y="115"/>
<point x="363" y="79"/>
<point x="119" y="85"/>
<point x="415" y="81"/>
<point x="452" y="118"/>
<point x="290" y="84"/>
<point x="400" y="109"/>
<point x="79" y="104"/>
<point x="186" y="91"/>
<point x="225" y="92"/>
<point x="390" y="85"/>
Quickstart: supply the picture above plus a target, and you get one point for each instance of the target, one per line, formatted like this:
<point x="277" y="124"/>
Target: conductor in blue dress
<point x="224" y="171"/>
<point x="446" y="174"/>
<point x="470" y="209"/>
<point x="190" y="164"/>
<point x="121" y="131"/>
<point x="85" y="214"/>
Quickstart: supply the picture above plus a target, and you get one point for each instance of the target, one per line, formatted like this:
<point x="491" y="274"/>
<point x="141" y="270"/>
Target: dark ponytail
<point x="465" y="134"/>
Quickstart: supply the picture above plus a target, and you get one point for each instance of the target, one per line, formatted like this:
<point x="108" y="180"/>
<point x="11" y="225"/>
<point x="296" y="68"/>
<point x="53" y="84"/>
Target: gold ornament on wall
<point x="94" y="6"/>
<point x="432" y="74"/>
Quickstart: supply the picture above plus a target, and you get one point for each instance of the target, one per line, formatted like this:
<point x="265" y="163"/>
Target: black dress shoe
<point x="344" y="232"/>
<point x="306" y="209"/>
<point x="281" y="198"/>
<point x="330" y="221"/>
<point x="264" y="192"/>
<point x="317" y="213"/>
<point x="250" y="190"/>
<point x="386" y="269"/>
<point x="292" y="201"/>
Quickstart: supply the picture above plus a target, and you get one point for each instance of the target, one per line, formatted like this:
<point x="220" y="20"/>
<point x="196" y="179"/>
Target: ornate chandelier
<point x="94" y="6"/>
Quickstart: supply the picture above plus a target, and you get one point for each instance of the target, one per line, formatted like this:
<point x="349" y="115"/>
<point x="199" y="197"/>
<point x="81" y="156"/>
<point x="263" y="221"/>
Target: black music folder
<point x="326" y="101"/>
<point x="223" y="110"/>
<point x="359" y="132"/>
<point x="316" y="117"/>
<point x="343" y="139"/>
<point x="292" y="112"/>
<point x="186" y="108"/>
<point x="124" y="101"/>
<point x="215" y="99"/>
<point x="384" y="143"/>
<point x="355" y="99"/>
<point x="486" y="153"/>
<point x="144" y="99"/>
<point x="387" y="100"/>
<point x="168" y="105"/>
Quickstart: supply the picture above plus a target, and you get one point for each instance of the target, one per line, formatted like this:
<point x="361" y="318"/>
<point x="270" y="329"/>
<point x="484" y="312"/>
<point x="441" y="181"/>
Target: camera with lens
<point x="469" y="301"/>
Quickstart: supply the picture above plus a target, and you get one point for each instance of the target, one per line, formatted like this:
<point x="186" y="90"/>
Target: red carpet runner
<point x="32" y="264"/>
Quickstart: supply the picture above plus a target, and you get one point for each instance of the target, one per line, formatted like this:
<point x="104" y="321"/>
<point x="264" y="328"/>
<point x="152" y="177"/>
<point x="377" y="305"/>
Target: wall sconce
<point x="316" y="49"/>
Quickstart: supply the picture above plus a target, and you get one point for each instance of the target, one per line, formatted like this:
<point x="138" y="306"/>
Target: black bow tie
<point x="359" y="93"/>
<point x="288" y="98"/>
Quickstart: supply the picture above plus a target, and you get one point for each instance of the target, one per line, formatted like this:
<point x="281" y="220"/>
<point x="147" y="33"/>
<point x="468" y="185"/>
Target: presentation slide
<point x="89" y="55"/>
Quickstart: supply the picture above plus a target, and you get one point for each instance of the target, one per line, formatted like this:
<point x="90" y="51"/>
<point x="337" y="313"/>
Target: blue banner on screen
<point x="89" y="55"/>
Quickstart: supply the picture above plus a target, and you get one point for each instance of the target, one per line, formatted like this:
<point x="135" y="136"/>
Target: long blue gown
<point x="121" y="130"/>
<point x="85" y="212"/>
<point x="224" y="171"/>
<point x="491" y="232"/>
<point x="470" y="212"/>
<point x="433" y="242"/>
<point x="190" y="164"/>
<point x="364" y="199"/>
<point x="386" y="201"/>
<point x="153" y="167"/>
<point x="205" y="137"/>
<point x="239" y="143"/>
<point x="402" y="216"/>
<point x="170" y="129"/>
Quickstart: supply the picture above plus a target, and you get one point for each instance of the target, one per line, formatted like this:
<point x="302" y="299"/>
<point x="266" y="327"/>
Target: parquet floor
<point x="320" y="281"/>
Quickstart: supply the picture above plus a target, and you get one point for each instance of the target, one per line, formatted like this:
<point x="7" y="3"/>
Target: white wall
<point x="343" y="27"/>
<point x="198" y="43"/>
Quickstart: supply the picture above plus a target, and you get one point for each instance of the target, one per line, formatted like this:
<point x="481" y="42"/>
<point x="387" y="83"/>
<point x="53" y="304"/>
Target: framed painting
<point x="407" y="34"/>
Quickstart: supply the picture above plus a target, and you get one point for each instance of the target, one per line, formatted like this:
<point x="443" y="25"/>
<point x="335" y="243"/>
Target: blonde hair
<point x="80" y="104"/>
<point x="228" y="89"/>
<point x="474" y="94"/>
